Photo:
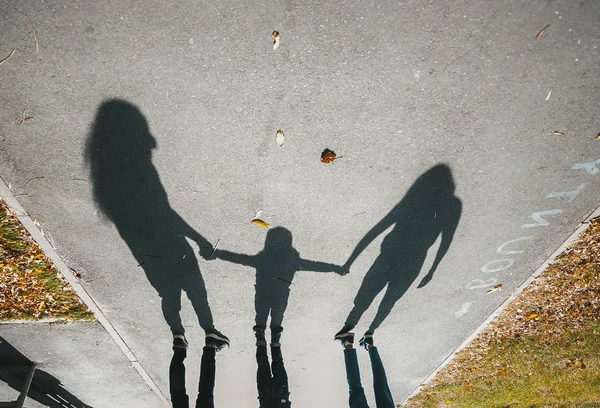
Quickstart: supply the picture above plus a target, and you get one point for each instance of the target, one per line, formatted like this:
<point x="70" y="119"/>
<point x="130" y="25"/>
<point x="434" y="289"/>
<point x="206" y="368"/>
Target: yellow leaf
<point x="260" y="223"/>
<point x="533" y="316"/>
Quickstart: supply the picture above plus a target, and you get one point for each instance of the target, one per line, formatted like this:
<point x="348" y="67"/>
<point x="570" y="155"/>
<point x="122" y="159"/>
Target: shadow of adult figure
<point x="428" y="209"/>
<point x="44" y="388"/>
<point x="128" y="191"/>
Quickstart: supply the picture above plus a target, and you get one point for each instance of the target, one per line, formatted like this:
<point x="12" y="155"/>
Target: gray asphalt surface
<point x="394" y="88"/>
<point x="76" y="363"/>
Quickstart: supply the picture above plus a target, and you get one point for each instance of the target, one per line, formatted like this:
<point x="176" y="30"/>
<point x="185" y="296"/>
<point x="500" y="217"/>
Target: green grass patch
<point x="31" y="287"/>
<point x="542" y="351"/>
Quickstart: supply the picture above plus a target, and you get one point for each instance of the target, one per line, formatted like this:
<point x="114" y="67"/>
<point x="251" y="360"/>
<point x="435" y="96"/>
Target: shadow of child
<point x="275" y="267"/>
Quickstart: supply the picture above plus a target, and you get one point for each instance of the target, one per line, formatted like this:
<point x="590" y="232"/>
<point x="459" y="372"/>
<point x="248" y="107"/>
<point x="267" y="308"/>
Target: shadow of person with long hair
<point x="428" y="209"/>
<point x="45" y="388"/>
<point x="275" y="267"/>
<point x="128" y="191"/>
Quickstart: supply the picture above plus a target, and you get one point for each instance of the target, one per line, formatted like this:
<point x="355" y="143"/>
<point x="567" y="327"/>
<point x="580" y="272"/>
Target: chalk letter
<point x="463" y="310"/>
<point x="591" y="167"/>
<point x="540" y="222"/>
<point x="571" y="194"/>
<point x="503" y="251"/>
<point x="507" y="263"/>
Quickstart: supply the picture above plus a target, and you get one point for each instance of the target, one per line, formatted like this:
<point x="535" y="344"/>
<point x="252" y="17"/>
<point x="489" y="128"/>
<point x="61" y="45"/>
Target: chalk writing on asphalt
<point x="512" y="249"/>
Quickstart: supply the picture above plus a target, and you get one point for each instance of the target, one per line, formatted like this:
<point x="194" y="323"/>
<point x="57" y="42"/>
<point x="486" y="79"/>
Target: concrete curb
<point x="45" y="245"/>
<point x="570" y="240"/>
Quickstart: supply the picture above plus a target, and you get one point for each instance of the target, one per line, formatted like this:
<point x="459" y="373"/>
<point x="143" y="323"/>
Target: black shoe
<point x="259" y="332"/>
<point x="276" y="336"/>
<point x="179" y="342"/>
<point x="345" y="337"/>
<point x="367" y="340"/>
<point x="217" y="341"/>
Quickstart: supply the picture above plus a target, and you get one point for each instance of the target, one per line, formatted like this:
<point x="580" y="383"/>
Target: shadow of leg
<point x="373" y="282"/>
<point x="262" y="302"/>
<point x="196" y="292"/>
<point x="279" y="302"/>
<point x="394" y="292"/>
<point x="171" y="306"/>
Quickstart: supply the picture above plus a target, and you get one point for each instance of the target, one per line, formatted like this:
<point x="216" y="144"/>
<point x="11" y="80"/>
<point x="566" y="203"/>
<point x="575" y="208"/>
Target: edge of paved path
<point x="583" y="225"/>
<point x="45" y="245"/>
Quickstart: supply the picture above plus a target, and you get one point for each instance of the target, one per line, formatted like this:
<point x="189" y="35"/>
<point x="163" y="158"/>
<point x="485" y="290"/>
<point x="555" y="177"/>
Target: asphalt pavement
<point x="152" y="137"/>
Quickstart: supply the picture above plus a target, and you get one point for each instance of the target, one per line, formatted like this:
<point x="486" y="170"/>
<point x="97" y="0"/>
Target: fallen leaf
<point x="557" y="133"/>
<point x="328" y="156"/>
<point x="549" y="93"/>
<point x="533" y="316"/>
<point x="275" y="39"/>
<point x="495" y="288"/>
<point x="598" y="137"/>
<point x="542" y="32"/>
<point x="280" y="138"/>
<point x="260" y="223"/>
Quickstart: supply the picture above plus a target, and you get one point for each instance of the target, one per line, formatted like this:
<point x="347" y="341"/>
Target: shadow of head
<point x="278" y="239"/>
<point x="435" y="184"/>
<point x="118" y="153"/>
<point x="119" y="128"/>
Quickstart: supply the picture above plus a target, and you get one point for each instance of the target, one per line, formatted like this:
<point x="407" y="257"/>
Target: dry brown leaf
<point x="275" y="39"/>
<point x="598" y="136"/>
<point x="495" y="288"/>
<point x="328" y="156"/>
<point x="557" y="133"/>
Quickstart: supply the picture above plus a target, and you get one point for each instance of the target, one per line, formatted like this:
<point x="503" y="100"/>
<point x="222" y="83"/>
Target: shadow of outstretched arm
<point x="205" y="247"/>
<point x="449" y="223"/>
<point x="370" y="236"/>
<point x="241" y="259"/>
<point x="314" y="266"/>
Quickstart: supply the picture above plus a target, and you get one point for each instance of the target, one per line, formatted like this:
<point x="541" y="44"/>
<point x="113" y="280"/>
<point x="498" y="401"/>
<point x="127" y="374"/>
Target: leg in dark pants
<point x="207" y="379"/>
<point x="179" y="398"/>
<point x="383" y="396"/>
<point x="280" y="378"/>
<point x="357" y="393"/>
<point x="264" y="382"/>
